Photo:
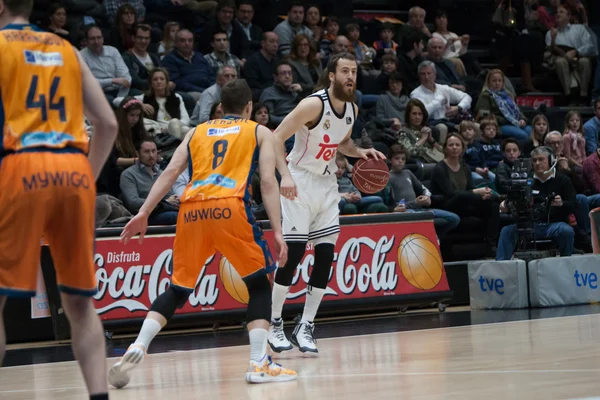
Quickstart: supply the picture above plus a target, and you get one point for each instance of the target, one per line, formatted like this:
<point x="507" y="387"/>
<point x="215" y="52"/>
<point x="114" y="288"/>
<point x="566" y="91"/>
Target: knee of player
<point x="259" y="294"/>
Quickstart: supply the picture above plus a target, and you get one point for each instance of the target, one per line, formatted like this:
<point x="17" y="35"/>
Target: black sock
<point x="103" y="396"/>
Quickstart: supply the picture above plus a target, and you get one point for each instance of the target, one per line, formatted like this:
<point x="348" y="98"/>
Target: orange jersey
<point x="41" y="97"/>
<point x="223" y="155"/>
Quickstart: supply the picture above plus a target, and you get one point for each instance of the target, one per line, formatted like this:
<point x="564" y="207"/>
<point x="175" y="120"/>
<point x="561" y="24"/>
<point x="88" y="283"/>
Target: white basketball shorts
<point x="313" y="216"/>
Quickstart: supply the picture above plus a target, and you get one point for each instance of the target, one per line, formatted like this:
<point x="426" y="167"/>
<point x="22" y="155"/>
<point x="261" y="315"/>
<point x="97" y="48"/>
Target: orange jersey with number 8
<point x="41" y="92"/>
<point x="223" y="155"/>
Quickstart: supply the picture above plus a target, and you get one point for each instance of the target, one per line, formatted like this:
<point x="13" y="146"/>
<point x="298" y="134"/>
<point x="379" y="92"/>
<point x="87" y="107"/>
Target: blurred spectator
<point x="389" y="65"/>
<point x="283" y="96"/>
<point x="410" y="195"/>
<point x="292" y="26"/>
<point x="555" y="225"/>
<point x="515" y="43"/>
<point x="451" y="179"/>
<point x="570" y="49"/>
<point x="352" y="201"/>
<point x="238" y="43"/>
<point x="212" y="95"/>
<point x="547" y="14"/>
<point x="111" y="7"/>
<point x="306" y="66"/>
<point x="123" y="33"/>
<point x="455" y="47"/>
<point x="416" y="20"/>
<point x="419" y="140"/>
<point x="254" y="33"/>
<point x="168" y="41"/>
<point x="385" y="44"/>
<point x="332" y="28"/>
<point x="446" y="73"/>
<point x="540" y="127"/>
<point x="446" y="106"/>
<point x="206" y="7"/>
<point x="409" y="60"/>
<point x="260" y="114"/>
<point x="164" y="109"/>
<point x="497" y="101"/>
<point x="188" y="69"/>
<point x="358" y="48"/>
<point x="106" y="65"/>
<point x="511" y="152"/>
<point x="313" y="22"/>
<point x="219" y="56"/>
<point x="578" y="14"/>
<point x="474" y="157"/>
<point x="139" y="60"/>
<point x="131" y="131"/>
<point x="591" y="172"/>
<point x="391" y="106"/>
<point x="137" y="180"/>
<point x="216" y="111"/>
<point x="57" y="21"/>
<point x="260" y="66"/>
<point x="592" y="130"/>
<point x="574" y="141"/>
<point x="491" y="153"/>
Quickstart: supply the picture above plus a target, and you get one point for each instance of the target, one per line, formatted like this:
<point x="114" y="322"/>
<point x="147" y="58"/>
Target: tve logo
<point x="585" y="280"/>
<point x="491" y="285"/>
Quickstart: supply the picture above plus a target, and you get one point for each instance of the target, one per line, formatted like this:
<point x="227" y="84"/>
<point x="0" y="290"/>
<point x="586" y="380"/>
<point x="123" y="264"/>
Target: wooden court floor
<point x="557" y="358"/>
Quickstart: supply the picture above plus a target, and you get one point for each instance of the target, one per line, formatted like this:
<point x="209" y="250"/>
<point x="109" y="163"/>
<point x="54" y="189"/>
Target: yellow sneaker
<point x="268" y="371"/>
<point x="118" y="375"/>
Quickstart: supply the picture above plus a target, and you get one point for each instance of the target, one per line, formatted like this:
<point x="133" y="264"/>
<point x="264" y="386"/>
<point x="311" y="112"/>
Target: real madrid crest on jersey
<point x="326" y="124"/>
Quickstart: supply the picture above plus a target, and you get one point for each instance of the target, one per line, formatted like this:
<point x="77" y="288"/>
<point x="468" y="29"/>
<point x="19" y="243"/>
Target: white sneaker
<point x="268" y="371"/>
<point x="303" y="337"/>
<point x="118" y="376"/>
<point x="277" y="339"/>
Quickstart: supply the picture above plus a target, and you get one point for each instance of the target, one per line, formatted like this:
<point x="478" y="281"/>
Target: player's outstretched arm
<point x="161" y="187"/>
<point x="348" y="148"/>
<point x="269" y="189"/>
<point x="102" y="117"/>
<point x="306" y="112"/>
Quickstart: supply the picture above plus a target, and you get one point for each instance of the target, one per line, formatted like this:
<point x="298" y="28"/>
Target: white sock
<point x="279" y="295"/>
<point x="313" y="301"/>
<point x="258" y="344"/>
<point x="150" y="328"/>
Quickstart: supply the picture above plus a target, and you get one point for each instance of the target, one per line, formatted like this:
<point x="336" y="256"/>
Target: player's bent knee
<point x="169" y="301"/>
<point x="324" y="254"/>
<point x="259" y="303"/>
<point x="284" y="275"/>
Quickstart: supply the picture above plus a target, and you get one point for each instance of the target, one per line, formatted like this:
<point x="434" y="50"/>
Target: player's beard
<point x="341" y="92"/>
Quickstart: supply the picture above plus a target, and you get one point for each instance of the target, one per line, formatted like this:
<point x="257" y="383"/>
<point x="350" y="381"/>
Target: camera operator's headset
<point x="552" y="161"/>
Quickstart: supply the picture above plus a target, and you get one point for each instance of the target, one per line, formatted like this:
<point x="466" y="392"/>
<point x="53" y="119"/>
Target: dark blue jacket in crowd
<point x="474" y="156"/>
<point x="491" y="153"/>
<point x="193" y="76"/>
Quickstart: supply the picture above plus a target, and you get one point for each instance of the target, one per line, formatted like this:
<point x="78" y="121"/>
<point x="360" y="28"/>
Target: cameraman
<point x="549" y="225"/>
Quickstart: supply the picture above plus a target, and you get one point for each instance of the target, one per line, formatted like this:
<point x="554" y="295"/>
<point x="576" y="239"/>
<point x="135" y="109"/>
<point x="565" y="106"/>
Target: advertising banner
<point x="371" y="260"/>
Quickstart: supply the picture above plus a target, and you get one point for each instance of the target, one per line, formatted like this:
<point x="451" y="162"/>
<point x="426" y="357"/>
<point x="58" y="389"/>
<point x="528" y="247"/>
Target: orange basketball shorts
<point x="224" y="225"/>
<point x="49" y="195"/>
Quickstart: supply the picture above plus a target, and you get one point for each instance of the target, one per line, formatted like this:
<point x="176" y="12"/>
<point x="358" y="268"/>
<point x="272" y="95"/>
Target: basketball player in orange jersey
<point x="215" y="215"/>
<point x="322" y="124"/>
<point x="47" y="184"/>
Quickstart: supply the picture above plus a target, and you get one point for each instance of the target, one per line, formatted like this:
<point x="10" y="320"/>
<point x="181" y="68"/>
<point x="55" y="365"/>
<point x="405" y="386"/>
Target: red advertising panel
<point x="371" y="260"/>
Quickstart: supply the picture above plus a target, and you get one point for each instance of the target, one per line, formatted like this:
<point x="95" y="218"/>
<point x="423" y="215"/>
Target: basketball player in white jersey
<point x="322" y="124"/>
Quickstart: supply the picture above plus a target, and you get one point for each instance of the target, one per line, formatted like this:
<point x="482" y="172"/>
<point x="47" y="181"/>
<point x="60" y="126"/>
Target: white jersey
<point x="315" y="147"/>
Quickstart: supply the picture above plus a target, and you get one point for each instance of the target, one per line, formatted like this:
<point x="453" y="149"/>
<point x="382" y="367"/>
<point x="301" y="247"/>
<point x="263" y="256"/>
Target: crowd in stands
<point x="452" y="128"/>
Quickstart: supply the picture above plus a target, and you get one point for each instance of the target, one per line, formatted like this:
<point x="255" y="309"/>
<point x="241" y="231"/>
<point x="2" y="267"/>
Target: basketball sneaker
<point x="268" y="371"/>
<point x="304" y="338"/>
<point x="118" y="375"/>
<point x="277" y="339"/>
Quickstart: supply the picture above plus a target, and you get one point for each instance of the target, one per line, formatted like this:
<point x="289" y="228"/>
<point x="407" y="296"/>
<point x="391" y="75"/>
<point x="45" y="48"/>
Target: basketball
<point x="232" y="282"/>
<point x="420" y="261"/>
<point x="370" y="176"/>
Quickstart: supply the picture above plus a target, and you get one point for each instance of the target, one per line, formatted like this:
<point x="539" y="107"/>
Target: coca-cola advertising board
<point x="371" y="260"/>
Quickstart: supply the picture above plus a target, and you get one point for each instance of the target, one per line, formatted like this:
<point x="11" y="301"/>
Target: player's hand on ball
<point x="288" y="187"/>
<point x="139" y="224"/>
<point x="281" y="249"/>
<point x="371" y="153"/>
